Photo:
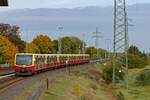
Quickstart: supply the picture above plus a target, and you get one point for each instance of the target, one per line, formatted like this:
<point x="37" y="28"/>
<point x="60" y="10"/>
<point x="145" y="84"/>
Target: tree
<point x="7" y="50"/>
<point x="134" y="50"/>
<point x="71" y="45"/>
<point x="92" y="51"/>
<point x="55" y="46"/>
<point x="136" y="58"/>
<point x="102" y="53"/>
<point x="13" y="34"/>
<point x="44" y="44"/>
<point x="32" y="48"/>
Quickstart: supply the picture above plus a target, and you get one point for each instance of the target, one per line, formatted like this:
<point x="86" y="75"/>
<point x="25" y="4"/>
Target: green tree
<point x="44" y="44"/>
<point x="136" y="58"/>
<point x="55" y="46"/>
<point x="71" y="45"/>
<point x="92" y="51"/>
<point x="102" y="53"/>
<point x="134" y="50"/>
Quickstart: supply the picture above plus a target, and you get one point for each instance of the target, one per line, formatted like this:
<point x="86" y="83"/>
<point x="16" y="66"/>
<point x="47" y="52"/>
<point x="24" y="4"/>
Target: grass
<point x="86" y="84"/>
<point x="135" y="92"/>
<point x="28" y="91"/>
<point x="78" y="86"/>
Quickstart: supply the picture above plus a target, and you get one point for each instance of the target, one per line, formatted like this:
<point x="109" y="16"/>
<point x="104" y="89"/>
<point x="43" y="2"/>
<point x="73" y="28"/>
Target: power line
<point x="97" y="36"/>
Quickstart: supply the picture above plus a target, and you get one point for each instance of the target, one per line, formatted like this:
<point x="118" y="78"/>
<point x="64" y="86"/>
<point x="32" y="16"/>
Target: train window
<point x="36" y="60"/>
<point x="66" y="58"/>
<point x="54" y="58"/>
<point x="24" y="60"/>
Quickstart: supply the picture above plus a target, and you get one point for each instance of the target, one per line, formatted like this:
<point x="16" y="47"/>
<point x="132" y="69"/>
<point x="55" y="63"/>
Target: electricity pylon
<point x="97" y="37"/>
<point x="120" y="42"/>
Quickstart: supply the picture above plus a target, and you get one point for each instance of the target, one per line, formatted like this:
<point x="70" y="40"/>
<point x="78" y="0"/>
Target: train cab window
<point x="24" y="60"/>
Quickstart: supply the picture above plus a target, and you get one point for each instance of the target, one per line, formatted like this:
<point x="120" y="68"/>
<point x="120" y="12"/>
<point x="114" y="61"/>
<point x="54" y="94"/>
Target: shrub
<point x="120" y="96"/>
<point x="108" y="72"/>
<point x="144" y="77"/>
<point x="137" y="61"/>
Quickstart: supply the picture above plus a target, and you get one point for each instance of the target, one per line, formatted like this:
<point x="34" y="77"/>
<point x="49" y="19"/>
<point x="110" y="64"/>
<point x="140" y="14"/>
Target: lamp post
<point x="59" y="41"/>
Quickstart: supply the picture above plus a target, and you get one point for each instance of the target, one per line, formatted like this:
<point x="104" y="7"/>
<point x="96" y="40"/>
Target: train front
<point x="24" y="64"/>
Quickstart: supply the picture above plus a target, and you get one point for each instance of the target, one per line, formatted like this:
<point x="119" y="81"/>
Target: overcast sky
<point x="65" y="3"/>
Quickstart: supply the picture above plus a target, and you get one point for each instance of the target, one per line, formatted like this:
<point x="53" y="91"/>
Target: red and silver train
<point x="28" y="63"/>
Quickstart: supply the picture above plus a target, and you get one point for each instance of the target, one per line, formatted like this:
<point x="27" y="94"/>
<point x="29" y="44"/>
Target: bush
<point x="144" y="77"/>
<point x="137" y="61"/>
<point x="120" y="96"/>
<point x="108" y="72"/>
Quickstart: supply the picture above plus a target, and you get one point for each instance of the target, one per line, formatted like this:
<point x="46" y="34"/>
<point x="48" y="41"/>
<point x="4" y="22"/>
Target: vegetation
<point x="143" y="78"/>
<point x="71" y="45"/>
<point x="108" y="72"/>
<point x="44" y="44"/>
<point x="32" y="48"/>
<point x="13" y="35"/>
<point x="136" y="89"/>
<point x="92" y="51"/>
<point x="137" y="59"/>
<point x="80" y="84"/>
<point x="7" y="50"/>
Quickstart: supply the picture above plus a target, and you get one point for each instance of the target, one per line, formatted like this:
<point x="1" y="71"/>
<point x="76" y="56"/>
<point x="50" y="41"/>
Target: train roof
<point x="52" y="54"/>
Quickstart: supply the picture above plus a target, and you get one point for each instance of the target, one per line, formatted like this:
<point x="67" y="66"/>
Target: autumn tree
<point x="44" y="44"/>
<point x="32" y="48"/>
<point x="7" y="50"/>
<point x="13" y="35"/>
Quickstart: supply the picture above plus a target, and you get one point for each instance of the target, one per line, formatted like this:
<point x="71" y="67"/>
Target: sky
<point x="138" y="21"/>
<point x="13" y="4"/>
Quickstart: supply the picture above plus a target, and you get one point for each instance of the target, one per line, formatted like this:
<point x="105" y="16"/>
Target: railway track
<point x="11" y="82"/>
<point x="7" y="80"/>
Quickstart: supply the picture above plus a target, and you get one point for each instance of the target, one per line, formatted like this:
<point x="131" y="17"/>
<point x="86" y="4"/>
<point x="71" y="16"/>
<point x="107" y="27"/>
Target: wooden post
<point x="47" y="83"/>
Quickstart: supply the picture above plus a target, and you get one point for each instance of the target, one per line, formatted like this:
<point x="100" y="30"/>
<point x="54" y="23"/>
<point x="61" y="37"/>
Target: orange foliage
<point x="7" y="50"/>
<point x="44" y="44"/>
<point x="32" y="48"/>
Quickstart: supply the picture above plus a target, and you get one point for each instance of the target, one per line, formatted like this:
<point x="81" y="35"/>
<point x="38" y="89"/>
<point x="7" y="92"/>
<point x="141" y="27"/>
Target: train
<point x="30" y="64"/>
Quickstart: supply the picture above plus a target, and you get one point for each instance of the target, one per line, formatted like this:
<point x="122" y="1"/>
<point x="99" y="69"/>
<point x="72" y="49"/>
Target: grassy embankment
<point x="134" y="91"/>
<point x="87" y="84"/>
<point x="82" y="84"/>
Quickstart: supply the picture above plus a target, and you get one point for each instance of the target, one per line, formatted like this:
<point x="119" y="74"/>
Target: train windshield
<point x="24" y="60"/>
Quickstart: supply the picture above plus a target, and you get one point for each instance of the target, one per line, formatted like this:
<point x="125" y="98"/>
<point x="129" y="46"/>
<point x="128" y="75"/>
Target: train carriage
<point x="28" y="63"/>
